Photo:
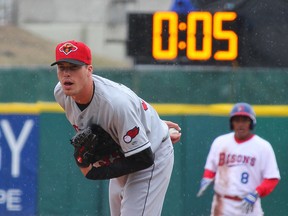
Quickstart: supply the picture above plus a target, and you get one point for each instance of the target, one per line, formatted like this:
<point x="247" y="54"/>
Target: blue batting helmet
<point x="243" y="109"/>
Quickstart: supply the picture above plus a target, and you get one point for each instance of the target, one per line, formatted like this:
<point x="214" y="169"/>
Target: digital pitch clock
<point x="198" y="38"/>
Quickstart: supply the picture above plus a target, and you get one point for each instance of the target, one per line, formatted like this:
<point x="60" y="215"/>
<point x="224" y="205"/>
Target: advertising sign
<point x="19" y="137"/>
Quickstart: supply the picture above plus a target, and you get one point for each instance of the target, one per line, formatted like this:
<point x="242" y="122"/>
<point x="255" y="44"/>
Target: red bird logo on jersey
<point x="76" y="127"/>
<point x="68" y="48"/>
<point x="128" y="137"/>
<point x="144" y="105"/>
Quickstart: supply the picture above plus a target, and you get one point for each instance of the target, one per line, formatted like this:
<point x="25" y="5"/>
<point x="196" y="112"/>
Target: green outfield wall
<point x="162" y="85"/>
<point x="62" y="190"/>
<point x="198" y="100"/>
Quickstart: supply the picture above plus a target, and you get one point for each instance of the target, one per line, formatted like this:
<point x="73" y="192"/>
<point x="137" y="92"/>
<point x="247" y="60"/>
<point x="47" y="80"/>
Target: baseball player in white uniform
<point x="242" y="165"/>
<point x="139" y="182"/>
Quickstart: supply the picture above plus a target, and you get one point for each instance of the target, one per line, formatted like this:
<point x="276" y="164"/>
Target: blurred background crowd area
<point x="30" y="29"/>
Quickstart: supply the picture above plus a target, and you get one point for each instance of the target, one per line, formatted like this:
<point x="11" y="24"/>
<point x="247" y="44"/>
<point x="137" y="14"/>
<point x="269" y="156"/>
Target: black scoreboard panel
<point x="199" y="38"/>
<point x="196" y="38"/>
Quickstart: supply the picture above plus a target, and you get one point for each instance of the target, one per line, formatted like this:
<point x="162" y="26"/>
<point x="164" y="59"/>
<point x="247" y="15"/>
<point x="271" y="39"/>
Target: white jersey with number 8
<point x="246" y="164"/>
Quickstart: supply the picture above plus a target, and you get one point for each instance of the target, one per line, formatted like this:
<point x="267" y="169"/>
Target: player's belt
<point x="235" y="198"/>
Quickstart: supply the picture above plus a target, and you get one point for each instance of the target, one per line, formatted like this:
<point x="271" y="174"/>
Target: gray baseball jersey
<point x="135" y="125"/>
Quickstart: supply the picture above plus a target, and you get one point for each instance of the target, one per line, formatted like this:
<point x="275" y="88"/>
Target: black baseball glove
<point x="94" y="144"/>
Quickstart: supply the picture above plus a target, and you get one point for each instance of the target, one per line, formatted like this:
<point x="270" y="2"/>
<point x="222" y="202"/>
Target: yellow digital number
<point x="212" y="28"/>
<point x="230" y="36"/>
<point x="157" y="49"/>
<point x="206" y="51"/>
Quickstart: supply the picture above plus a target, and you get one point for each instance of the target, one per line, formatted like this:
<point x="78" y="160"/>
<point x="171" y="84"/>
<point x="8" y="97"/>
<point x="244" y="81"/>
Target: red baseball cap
<point x="74" y="52"/>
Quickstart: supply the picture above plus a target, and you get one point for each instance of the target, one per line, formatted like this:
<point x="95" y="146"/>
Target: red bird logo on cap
<point x="68" y="48"/>
<point x="128" y="137"/>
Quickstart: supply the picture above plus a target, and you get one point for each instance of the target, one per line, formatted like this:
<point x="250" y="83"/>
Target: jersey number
<point x="244" y="177"/>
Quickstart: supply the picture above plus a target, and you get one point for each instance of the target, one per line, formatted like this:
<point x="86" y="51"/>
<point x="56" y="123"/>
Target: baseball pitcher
<point x="119" y="135"/>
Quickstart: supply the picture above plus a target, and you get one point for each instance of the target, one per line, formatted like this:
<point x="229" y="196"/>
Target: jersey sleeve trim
<point x="138" y="149"/>
<point x="267" y="186"/>
<point x="208" y="174"/>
